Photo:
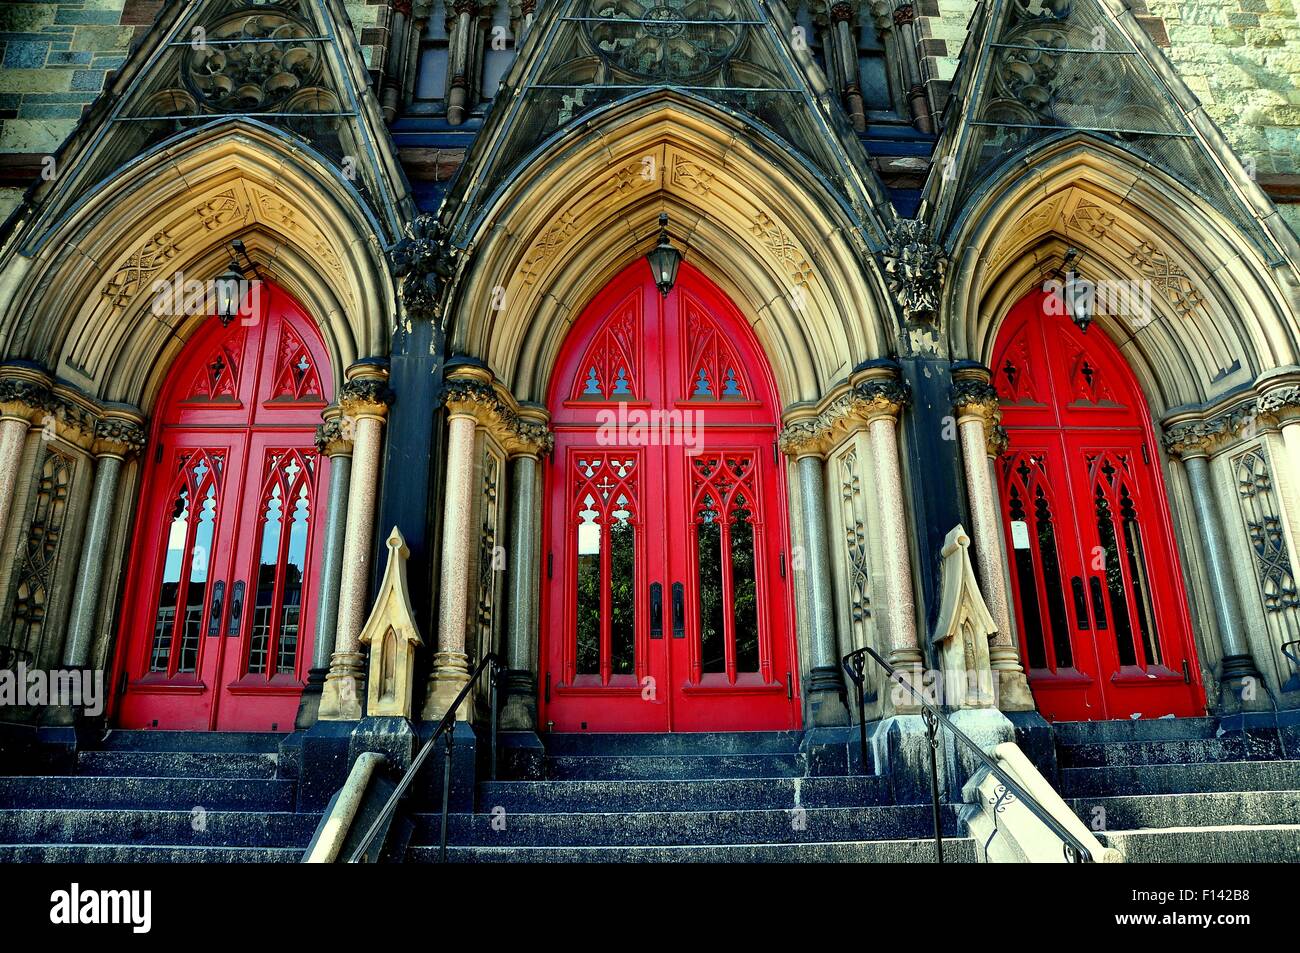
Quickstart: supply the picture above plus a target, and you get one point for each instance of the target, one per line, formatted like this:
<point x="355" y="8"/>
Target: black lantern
<point x="664" y="259"/>
<point x="1080" y="298"/>
<point x="229" y="289"/>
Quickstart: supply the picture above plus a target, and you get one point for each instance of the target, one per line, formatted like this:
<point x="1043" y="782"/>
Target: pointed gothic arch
<point x="1221" y="314"/>
<point x="790" y="257"/>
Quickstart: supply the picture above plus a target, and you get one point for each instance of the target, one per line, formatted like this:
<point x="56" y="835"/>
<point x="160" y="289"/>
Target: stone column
<point x="333" y="440"/>
<point x="883" y="396"/>
<point x="975" y="404"/>
<point x="364" y="404"/>
<point x="118" y="435"/>
<point x="24" y="394"/>
<point x="1193" y="443"/>
<point x="826" y="702"/>
<point x="519" y="695"/>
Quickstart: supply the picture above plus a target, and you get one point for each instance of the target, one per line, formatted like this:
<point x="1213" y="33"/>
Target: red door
<point x="218" y="616"/>
<point x="665" y="593"/>
<point x="1098" y="589"/>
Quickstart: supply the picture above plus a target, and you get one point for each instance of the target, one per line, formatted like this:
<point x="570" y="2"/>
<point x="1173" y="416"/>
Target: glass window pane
<point x="178" y="532"/>
<point x="744" y="587"/>
<point x="267" y="565"/>
<point x="622" y="591"/>
<point x="1052" y="581"/>
<point x="589" y="590"/>
<point x="1137" y="570"/>
<point x="196" y="593"/>
<point x="708" y="535"/>
<point x="1115" y="581"/>
<point x="1027" y="582"/>
<point x="291" y="601"/>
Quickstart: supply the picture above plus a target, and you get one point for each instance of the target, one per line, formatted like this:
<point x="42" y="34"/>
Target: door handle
<point x="1080" y="603"/>
<point x="236" y="609"/>
<point x="1098" y="601"/>
<point x="214" y="610"/>
<point x="679" y="611"/>
<point x="656" y="610"/>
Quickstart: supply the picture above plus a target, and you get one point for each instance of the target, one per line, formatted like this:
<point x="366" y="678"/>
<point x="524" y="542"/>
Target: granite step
<point x="1134" y="729"/>
<point x="137" y="854"/>
<point x="1115" y="780"/>
<point x="1229" y="747"/>
<point x="179" y="828"/>
<point x="212" y="794"/>
<point x="673" y="767"/>
<point x="1211" y="809"/>
<point x="176" y="764"/>
<point x="1224" y="844"/>
<point x="715" y="794"/>
<point x="263" y="742"/>
<point x="673" y="743"/>
<point x="957" y="850"/>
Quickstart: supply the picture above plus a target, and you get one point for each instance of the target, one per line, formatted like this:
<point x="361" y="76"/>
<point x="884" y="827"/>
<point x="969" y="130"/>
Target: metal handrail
<point x="1074" y="849"/>
<point x="448" y="720"/>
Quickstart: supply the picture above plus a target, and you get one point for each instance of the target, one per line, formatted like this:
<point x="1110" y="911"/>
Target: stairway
<point x="157" y="797"/>
<point x="1164" y="790"/>
<point x="739" y="797"/>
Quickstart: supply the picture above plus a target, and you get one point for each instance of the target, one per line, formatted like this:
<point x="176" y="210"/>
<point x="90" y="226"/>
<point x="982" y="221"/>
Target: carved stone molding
<point x="1281" y="404"/>
<point x="1203" y="436"/>
<point x="24" y="397"/>
<point x="471" y="392"/>
<point x="28" y="393"/>
<point x="878" y="393"/>
<point x="915" y="265"/>
<point x="973" y="395"/>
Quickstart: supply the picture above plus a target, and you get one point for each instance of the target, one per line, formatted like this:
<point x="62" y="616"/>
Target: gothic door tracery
<point x="1099" y="600"/>
<point x="218" y="613"/>
<point x="665" y="592"/>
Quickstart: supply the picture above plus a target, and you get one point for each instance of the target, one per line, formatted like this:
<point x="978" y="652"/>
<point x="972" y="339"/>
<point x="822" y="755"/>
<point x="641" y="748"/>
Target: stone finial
<point x="393" y="637"/>
<point x="964" y="628"/>
<point x="424" y="261"/>
<point x="915" y="265"/>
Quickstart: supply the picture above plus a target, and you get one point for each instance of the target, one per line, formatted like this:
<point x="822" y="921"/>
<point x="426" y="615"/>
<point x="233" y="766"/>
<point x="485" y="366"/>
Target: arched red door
<point x="219" y="613"/>
<point x="1102" y="614"/>
<point x="665" y="592"/>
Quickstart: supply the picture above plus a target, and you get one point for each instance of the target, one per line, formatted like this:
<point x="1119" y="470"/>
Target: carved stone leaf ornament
<point x="424" y="262"/>
<point x="915" y="266"/>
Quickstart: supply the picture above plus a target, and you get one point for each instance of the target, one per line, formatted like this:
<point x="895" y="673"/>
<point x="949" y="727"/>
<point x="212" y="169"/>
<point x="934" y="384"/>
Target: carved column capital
<point x="974" y="396"/>
<point x="118" y="434"/>
<point x="24" y="393"/>
<point x="471" y="391"/>
<point x="1206" y="434"/>
<point x="366" y="392"/>
<point x="871" y="393"/>
<point x="334" y="435"/>
<point x="1281" y="403"/>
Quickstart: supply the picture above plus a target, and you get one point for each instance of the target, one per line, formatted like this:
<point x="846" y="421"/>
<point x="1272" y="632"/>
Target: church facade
<point x="675" y="352"/>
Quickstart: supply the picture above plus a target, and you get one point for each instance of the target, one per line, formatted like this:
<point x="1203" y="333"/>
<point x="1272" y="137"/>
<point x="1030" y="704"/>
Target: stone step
<point x="1134" y="729"/>
<point x="715" y="794"/>
<point x="1119" y="780"/>
<point x="211" y="794"/>
<point x="1233" y="746"/>
<point x="957" y="850"/>
<point x="1188" y="810"/>
<point x="665" y="829"/>
<point x="672" y="743"/>
<point x="673" y="767"/>
<point x="176" y="764"/>
<point x="157" y="828"/>
<point x="1275" y="843"/>
<point x="137" y="854"/>
<point x="264" y="742"/>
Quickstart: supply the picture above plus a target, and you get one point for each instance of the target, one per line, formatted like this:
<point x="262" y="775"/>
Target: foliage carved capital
<point x="864" y="400"/>
<point x="424" y="262"/>
<point x="520" y="431"/>
<point x="915" y="266"/>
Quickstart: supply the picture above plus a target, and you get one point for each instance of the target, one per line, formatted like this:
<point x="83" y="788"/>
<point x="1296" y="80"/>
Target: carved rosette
<point x="520" y="431"/>
<point x="120" y="437"/>
<point x="864" y="400"/>
<point x="915" y="266"/>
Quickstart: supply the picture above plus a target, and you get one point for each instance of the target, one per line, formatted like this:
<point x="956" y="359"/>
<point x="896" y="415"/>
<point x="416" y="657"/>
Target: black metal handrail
<point x="1074" y="849"/>
<point x="488" y="662"/>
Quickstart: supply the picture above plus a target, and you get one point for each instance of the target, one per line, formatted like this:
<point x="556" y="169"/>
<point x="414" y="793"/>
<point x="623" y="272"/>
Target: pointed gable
<point x="292" y="65"/>
<point x="741" y="56"/>
<point x="1035" y="70"/>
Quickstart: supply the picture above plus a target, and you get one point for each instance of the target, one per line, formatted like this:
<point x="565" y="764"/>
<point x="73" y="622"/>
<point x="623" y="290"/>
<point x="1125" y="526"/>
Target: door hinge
<point x="789" y="687"/>
<point x="776" y="452"/>
<point x="1146" y="456"/>
<point x="157" y="452"/>
<point x="548" y="688"/>
<point x="782" y="562"/>
<point x="550" y="565"/>
<point x="1187" y="672"/>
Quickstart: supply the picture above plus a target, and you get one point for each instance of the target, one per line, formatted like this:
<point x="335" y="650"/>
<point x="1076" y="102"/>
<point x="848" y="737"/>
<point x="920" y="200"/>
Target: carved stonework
<point x="334" y="436"/>
<point x="471" y="394"/>
<point x="1281" y="404"/>
<point x="23" y="397"/>
<point x="973" y="395"/>
<point x="135" y="273"/>
<point x="393" y="637"/>
<point x="963" y="630"/>
<point x="915" y="266"/>
<point x="38" y="559"/>
<point x="366" y="396"/>
<point x="1207" y="435"/>
<point x="119" y="437"/>
<point x="424" y="261"/>
<point x="857" y="405"/>
<point x="1263" y="524"/>
<point x="784" y="249"/>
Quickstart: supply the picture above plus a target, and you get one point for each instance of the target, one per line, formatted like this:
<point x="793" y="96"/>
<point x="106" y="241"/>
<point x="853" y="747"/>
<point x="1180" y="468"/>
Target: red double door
<point x="665" y="595"/>
<point x="1100" y="605"/>
<point x="219" y="610"/>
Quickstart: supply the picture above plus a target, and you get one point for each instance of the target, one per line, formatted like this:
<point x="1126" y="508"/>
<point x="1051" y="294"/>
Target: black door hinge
<point x="550" y="565"/>
<point x="1146" y="456"/>
<point x="782" y="562"/>
<point x="1187" y="672"/>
